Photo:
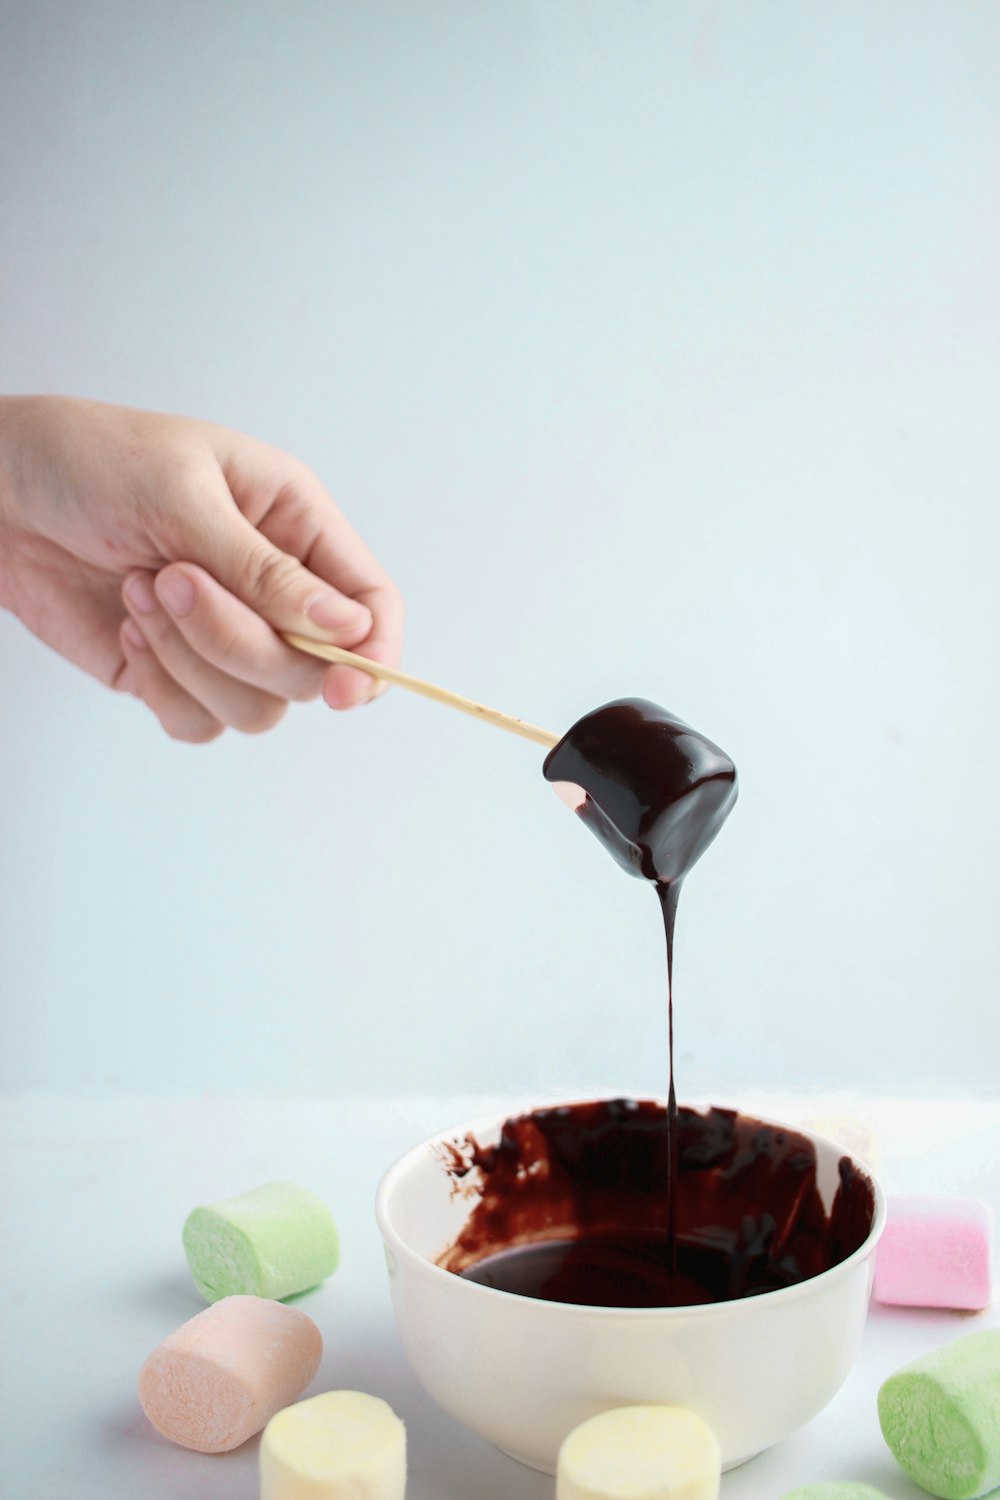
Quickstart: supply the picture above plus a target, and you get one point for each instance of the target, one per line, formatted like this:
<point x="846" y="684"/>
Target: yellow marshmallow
<point x="342" y="1445"/>
<point x="640" y="1453"/>
<point x="852" y="1135"/>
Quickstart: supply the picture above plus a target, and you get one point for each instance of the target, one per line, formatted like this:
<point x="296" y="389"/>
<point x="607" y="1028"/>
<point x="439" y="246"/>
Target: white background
<point x="654" y="348"/>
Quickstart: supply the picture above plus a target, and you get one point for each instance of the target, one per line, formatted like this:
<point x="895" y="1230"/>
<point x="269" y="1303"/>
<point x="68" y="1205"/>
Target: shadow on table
<point x="173" y="1299"/>
<point x="129" y="1445"/>
<point x="445" y="1461"/>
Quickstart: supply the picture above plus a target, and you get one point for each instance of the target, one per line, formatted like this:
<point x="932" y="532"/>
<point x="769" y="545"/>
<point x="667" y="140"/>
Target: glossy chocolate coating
<point x="657" y="791"/>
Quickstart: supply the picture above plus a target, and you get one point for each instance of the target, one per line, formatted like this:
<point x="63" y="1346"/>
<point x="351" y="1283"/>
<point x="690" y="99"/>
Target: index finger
<point x="345" y="687"/>
<point x="339" y="556"/>
<point x="291" y="506"/>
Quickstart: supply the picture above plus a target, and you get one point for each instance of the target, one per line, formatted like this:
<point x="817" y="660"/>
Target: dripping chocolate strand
<point x="669" y="896"/>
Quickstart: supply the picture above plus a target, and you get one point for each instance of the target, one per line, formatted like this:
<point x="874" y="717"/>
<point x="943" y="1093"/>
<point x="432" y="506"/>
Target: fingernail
<point x="134" y="636"/>
<point x="176" y="593"/>
<point x="333" y="612"/>
<point x="139" y="592"/>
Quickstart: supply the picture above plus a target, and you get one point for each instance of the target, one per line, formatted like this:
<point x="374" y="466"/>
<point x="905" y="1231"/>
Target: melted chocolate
<point x="657" y="793"/>
<point x="572" y="1207"/>
<point x="627" y="1204"/>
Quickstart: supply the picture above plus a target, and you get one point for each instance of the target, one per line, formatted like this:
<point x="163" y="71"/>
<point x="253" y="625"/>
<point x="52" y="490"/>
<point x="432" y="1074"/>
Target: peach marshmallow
<point x="222" y="1375"/>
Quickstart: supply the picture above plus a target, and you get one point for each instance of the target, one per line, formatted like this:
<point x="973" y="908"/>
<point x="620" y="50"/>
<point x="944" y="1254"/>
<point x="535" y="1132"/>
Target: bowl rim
<point x="395" y="1242"/>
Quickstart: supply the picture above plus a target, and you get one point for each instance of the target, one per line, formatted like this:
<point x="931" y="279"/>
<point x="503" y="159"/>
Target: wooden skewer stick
<point x="427" y="689"/>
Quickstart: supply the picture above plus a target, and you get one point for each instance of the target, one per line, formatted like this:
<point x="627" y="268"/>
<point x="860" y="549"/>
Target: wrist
<point x="10" y="412"/>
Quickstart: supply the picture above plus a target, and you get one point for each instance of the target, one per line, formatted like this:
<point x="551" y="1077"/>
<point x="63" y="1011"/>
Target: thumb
<point x="274" y="583"/>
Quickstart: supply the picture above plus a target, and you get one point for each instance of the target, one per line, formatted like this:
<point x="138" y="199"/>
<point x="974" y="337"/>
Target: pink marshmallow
<point x="222" y="1375"/>
<point x="567" y="791"/>
<point x="936" y="1252"/>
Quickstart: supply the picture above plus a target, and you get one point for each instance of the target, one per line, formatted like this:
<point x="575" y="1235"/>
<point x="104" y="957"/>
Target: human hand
<point x="164" y="555"/>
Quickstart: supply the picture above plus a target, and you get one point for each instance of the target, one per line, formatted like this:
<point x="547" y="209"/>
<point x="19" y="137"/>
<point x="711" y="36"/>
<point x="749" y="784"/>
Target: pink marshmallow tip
<point x="567" y="791"/>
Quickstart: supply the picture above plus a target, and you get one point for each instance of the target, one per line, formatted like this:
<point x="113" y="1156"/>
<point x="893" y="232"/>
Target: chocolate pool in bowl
<point x="532" y="1284"/>
<point x="571" y="1207"/>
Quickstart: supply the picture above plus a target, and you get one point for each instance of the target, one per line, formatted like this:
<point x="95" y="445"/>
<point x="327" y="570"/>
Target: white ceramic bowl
<point x="524" y="1372"/>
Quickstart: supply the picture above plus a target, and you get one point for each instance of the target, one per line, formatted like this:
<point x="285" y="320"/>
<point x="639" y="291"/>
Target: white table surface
<point x="92" y="1277"/>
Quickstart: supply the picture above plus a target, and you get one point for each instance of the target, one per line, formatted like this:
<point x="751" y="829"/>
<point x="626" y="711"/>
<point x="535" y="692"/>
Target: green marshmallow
<point x="940" y="1416"/>
<point x="835" y="1490"/>
<point x="274" y="1241"/>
